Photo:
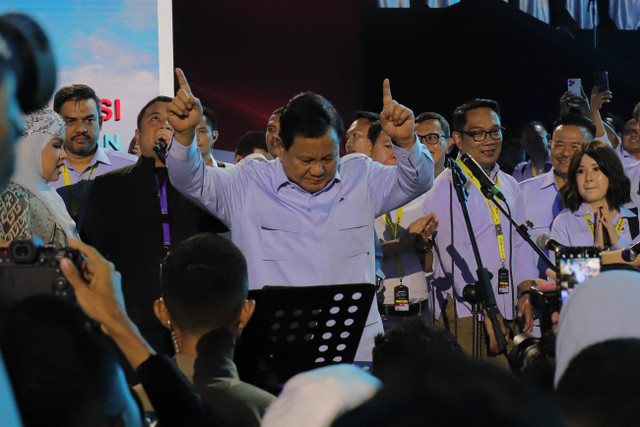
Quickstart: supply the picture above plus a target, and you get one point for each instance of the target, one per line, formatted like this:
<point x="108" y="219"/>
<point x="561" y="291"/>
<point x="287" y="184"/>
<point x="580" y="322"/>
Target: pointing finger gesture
<point x="185" y="111"/>
<point x="397" y="120"/>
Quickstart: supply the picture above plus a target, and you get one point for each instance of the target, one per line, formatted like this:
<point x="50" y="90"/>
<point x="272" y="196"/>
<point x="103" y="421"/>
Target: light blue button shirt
<point x="524" y="170"/>
<point x="106" y="160"/>
<point x="292" y="237"/>
<point x="464" y="270"/>
<point x="571" y="229"/>
<point x="540" y="203"/>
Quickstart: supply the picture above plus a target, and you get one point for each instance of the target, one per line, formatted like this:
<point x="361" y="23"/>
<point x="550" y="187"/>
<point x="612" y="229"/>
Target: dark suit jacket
<point x="123" y="221"/>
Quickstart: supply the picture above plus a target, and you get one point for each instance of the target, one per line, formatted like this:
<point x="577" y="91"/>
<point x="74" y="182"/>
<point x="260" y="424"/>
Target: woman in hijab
<point x="29" y="207"/>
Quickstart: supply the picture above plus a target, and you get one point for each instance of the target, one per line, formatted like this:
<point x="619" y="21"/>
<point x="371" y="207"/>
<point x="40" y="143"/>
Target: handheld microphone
<point x="546" y="242"/>
<point x="629" y="254"/>
<point x="160" y="148"/>
<point x="487" y="186"/>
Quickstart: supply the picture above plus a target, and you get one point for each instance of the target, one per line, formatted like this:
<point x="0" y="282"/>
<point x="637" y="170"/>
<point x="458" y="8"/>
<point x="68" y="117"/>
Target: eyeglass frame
<point x="425" y="137"/>
<point x="484" y="138"/>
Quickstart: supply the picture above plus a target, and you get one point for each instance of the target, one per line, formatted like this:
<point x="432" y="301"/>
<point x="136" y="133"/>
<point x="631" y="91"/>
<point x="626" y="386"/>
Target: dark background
<point x="246" y="58"/>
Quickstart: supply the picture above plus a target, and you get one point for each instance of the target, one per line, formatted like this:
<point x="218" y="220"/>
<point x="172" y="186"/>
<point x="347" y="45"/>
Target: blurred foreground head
<point x="61" y="373"/>
<point x="27" y="80"/>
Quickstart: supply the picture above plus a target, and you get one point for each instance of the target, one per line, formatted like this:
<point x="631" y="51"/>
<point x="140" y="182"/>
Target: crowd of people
<point x="159" y="281"/>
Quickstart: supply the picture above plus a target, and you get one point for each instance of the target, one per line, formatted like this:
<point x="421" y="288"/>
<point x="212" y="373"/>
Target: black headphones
<point x="25" y="50"/>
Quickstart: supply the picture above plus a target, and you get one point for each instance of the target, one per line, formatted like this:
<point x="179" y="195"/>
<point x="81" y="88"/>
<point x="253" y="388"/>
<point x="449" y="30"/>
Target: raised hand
<point x="397" y="120"/>
<point x="185" y="111"/>
<point x="600" y="98"/>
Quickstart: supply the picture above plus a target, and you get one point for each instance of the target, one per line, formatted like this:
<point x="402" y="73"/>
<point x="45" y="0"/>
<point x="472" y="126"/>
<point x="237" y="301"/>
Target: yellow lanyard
<point x="533" y="170"/>
<point x="394" y="229"/>
<point x="587" y="218"/>
<point x="65" y="173"/>
<point x="495" y="212"/>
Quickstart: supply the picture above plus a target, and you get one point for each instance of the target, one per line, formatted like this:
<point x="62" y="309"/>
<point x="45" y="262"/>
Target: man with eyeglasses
<point x="629" y="149"/>
<point x="478" y="133"/>
<point x="535" y="143"/>
<point x="435" y="134"/>
<point x="540" y="196"/>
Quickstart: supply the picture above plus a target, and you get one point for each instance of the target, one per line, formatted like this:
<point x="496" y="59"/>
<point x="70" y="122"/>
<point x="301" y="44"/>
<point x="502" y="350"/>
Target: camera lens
<point x="21" y="251"/>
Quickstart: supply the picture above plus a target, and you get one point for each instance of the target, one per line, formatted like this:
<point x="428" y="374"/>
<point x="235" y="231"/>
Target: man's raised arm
<point x="215" y="189"/>
<point x="413" y="175"/>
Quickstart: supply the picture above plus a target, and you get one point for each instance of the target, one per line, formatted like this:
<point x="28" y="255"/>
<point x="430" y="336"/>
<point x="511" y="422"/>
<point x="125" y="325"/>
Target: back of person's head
<point x="573" y="119"/>
<point x="210" y="117"/>
<point x="74" y="92"/>
<point x="600" y="385"/>
<point x="308" y="115"/>
<point x="459" y="118"/>
<point x="410" y="345"/>
<point x="374" y="132"/>
<point x="459" y="393"/>
<point x="251" y="141"/>
<point x="429" y="115"/>
<point x="602" y="308"/>
<point x="204" y="283"/>
<point x="315" y="398"/>
<point x="160" y="98"/>
<point x="61" y="373"/>
<point x="366" y="115"/>
<point x="636" y="112"/>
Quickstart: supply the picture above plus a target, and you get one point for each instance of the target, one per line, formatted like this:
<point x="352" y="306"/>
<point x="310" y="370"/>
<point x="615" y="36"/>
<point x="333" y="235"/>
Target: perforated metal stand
<point x="295" y="329"/>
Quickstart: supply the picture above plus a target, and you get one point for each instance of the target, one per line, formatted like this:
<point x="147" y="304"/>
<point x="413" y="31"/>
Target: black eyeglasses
<point x="481" y="135"/>
<point x="431" y="138"/>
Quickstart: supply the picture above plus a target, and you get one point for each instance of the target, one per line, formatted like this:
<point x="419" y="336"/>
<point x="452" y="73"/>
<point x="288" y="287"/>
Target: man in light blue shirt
<point x="79" y="106"/>
<point x="302" y="219"/>
<point x="539" y="200"/>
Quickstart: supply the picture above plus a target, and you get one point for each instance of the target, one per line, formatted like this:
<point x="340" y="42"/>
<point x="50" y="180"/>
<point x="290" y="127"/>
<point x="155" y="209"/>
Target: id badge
<point x="503" y="281"/>
<point x="401" y="298"/>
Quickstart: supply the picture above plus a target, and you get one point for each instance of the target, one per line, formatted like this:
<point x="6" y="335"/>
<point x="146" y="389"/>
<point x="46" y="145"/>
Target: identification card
<point x="503" y="281"/>
<point x="401" y="297"/>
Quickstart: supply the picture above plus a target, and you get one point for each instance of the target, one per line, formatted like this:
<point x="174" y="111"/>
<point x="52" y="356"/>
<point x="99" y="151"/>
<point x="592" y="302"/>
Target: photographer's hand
<point x="99" y="293"/>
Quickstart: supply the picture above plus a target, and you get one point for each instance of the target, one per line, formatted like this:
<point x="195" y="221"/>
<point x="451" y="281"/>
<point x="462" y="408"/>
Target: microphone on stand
<point x="487" y="186"/>
<point x="546" y="242"/>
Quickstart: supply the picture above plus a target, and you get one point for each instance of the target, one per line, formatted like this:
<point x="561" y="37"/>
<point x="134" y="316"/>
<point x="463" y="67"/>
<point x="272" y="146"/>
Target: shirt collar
<point x="548" y="179"/>
<point x="101" y="157"/>
<point x="494" y="171"/>
<point x="584" y="210"/>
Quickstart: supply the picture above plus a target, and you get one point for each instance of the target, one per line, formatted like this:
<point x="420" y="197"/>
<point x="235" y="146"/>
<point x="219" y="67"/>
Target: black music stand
<point x="298" y="328"/>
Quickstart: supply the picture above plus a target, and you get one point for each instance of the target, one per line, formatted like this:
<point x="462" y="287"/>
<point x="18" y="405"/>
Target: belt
<point x="415" y="308"/>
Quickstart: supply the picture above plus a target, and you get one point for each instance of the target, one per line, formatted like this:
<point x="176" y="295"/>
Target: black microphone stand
<point x="483" y="289"/>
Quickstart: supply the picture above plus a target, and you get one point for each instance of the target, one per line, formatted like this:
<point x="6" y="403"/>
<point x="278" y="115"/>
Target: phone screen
<point x="576" y="264"/>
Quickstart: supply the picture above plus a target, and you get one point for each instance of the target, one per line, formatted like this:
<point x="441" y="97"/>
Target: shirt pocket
<point x="281" y="238"/>
<point x="355" y="235"/>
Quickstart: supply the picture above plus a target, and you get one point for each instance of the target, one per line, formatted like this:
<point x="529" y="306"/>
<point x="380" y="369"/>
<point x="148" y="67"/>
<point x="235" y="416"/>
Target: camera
<point x="27" y="268"/>
<point x="25" y="50"/>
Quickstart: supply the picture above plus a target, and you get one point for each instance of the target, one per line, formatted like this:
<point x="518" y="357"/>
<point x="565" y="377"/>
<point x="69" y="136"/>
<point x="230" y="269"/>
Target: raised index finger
<point x="182" y="80"/>
<point x="386" y="91"/>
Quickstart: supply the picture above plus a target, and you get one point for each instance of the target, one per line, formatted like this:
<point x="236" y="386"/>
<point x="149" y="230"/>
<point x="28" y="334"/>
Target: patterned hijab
<point x="41" y="127"/>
